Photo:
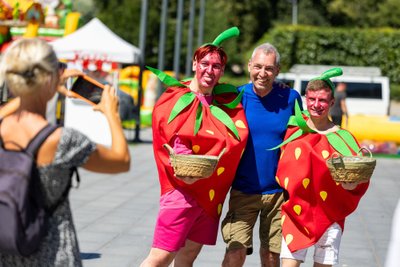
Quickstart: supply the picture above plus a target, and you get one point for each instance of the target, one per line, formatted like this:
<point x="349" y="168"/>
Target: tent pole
<point x="142" y="44"/>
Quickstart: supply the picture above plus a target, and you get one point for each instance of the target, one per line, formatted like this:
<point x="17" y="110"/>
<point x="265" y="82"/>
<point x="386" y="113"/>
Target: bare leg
<point x="234" y="258"/>
<point x="290" y="263"/>
<point x="158" y="258"/>
<point x="268" y="258"/>
<point x="187" y="255"/>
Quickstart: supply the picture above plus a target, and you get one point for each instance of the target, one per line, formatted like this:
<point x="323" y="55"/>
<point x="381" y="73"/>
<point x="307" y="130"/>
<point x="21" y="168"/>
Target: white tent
<point x="96" y="40"/>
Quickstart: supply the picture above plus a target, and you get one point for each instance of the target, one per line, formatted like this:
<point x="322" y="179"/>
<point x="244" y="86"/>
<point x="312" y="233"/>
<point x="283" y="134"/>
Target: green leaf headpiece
<point x="334" y="72"/>
<point x="225" y="35"/>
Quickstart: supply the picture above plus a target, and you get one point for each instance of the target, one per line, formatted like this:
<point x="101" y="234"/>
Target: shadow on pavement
<point x="90" y="256"/>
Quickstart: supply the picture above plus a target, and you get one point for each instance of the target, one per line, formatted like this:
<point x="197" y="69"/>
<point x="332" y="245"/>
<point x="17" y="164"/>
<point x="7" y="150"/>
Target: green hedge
<point x="379" y="47"/>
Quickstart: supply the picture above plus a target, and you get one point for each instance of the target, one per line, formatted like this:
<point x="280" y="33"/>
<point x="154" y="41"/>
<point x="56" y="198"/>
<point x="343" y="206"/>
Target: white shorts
<point x="326" y="250"/>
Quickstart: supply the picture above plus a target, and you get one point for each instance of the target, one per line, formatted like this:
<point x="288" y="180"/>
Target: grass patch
<point x="390" y="156"/>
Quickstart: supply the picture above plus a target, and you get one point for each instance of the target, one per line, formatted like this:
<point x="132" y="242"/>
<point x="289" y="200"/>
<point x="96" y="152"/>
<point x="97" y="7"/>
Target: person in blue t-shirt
<point x="255" y="192"/>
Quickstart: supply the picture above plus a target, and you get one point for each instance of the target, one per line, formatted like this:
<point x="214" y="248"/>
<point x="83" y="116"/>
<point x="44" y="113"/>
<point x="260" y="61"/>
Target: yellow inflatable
<point x="72" y="22"/>
<point x="375" y="128"/>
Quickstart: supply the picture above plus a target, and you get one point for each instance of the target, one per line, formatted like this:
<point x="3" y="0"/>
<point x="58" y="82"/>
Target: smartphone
<point x="87" y="89"/>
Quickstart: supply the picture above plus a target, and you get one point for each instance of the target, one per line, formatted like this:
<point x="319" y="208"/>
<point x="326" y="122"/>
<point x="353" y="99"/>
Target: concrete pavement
<point x="115" y="216"/>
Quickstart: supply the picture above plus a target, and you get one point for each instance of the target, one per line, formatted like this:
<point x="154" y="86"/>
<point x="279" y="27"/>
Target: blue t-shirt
<point x="267" y="118"/>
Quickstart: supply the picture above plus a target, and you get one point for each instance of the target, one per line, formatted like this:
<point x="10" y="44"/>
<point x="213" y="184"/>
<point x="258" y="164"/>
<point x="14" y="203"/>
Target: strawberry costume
<point x="315" y="201"/>
<point x="211" y="138"/>
<point x="196" y="116"/>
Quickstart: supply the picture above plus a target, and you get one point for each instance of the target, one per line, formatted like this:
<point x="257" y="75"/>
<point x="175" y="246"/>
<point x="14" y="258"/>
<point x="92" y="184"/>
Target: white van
<point x="368" y="92"/>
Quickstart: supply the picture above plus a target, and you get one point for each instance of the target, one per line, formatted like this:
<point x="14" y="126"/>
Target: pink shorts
<point x="181" y="218"/>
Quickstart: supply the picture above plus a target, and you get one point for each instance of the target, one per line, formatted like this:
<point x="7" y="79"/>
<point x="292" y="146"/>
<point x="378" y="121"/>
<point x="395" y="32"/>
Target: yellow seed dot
<point x="210" y="132"/>
<point x="306" y="182"/>
<point x="277" y="180"/>
<point x="323" y="195"/>
<point x="240" y="124"/>
<point x="281" y="154"/>
<point x="220" y="170"/>
<point x="286" y="181"/>
<point x="211" y="194"/>
<point x="288" y="239"/>
<point x="297" y="209"/>
<point x="305" y="229"/>
<point x="283" y="219"/>
<point x="325" y="154"/>
<point x="297" y="152"/>
<point x="196" y="148"/>
<point x="219" y="210"/>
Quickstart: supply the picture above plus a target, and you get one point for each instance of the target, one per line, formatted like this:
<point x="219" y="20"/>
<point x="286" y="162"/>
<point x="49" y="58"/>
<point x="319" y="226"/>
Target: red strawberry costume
<point x="212" y="136"/>
<point x="316" y="201"/>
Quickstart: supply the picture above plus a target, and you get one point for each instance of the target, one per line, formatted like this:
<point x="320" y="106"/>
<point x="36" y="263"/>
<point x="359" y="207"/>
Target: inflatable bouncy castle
<point x="50" y="19"/>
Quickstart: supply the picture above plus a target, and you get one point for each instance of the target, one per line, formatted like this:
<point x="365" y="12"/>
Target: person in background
<point x="30" y="69"/>
<point x="255" y="191"/>
<point x="339" y="108"/>
<point x="201" y="117"/>
<point x="127" y="108"/>
<point x="315" y="212"/>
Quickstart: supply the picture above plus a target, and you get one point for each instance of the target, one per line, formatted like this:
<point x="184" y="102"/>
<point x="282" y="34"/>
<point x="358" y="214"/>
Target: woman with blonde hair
<point x="30" y="70"/>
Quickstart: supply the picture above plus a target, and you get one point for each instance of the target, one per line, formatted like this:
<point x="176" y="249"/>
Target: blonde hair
<point x="28" y="66"/>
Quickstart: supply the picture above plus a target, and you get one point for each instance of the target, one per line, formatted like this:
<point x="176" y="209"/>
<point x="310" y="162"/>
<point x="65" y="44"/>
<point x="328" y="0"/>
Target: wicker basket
<point x="351" y="169"/>
<point x="193" y="166"/>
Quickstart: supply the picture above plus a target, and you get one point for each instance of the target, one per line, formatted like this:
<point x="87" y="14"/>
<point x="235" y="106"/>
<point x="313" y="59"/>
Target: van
<point x="368" y="92"/>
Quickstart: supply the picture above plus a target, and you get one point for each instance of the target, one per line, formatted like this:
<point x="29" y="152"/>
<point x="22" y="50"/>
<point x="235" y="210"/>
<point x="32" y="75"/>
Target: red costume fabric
<point x="211" y="138"/>
<point x="315" y="201"/>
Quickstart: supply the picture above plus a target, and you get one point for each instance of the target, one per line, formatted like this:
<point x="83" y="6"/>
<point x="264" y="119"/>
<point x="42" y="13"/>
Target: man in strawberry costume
<point x="317" y="206"/>
<point x="201" y="117"/>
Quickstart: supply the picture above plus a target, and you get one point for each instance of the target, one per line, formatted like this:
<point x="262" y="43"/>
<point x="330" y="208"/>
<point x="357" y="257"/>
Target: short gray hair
<point x="268" y="48"/>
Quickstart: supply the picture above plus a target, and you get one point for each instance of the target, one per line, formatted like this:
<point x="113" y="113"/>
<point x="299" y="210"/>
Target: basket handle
<point x="366" y="149"/>
<point x="337" y="161"/>
<point x="169" y="149"/>
<point x="221" y="153"/>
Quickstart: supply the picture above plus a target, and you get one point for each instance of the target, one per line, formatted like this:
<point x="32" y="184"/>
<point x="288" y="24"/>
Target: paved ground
<point x="115" y="216"/>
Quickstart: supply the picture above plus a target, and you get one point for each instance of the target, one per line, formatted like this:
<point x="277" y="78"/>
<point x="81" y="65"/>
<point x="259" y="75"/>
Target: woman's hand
<point x="67" y="73"/>
<point x="349" y="186"/>
<point x="109" y="101"/>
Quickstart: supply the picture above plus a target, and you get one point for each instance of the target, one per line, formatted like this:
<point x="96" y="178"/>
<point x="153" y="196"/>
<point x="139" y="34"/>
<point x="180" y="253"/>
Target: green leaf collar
<point x="188" y="98"/>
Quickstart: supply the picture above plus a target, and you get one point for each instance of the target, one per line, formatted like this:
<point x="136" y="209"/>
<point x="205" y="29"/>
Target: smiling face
<point x="208" y="70"/>
<point x="319" y="102"/>
<point x="263" y="70"/>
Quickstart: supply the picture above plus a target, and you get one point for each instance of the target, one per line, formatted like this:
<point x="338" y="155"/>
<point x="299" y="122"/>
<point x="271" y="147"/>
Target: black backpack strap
<point x="40" y="137"/>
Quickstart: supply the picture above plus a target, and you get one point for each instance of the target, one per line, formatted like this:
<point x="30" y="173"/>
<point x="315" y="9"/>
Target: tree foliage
<point x="253" y="17"/>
